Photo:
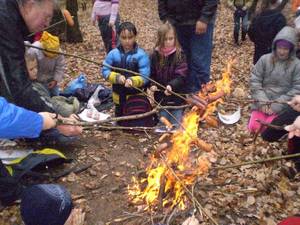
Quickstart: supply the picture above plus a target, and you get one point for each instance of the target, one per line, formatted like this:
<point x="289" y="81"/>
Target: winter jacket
<point x="274" y="79"/>
<point x="172" y="73"/>
<point x="49" y="69"/>
<point x="17" y="122"/>
<point x="136" y="60"/>
<point x="13" y="32"/>
<point x="187" y="12"/>
<point x="263" y="30"/>
<point x="105" y="8"/>
<point x="240" y="3"/>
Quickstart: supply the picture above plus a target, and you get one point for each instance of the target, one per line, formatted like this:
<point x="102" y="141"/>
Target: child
<point x="264" y="28"/>
<point x="106" y="14"/>
<point x="169" y="68"/>
<point x="275" y="77"/>
<point x="240" y="8"/>
<point x="61" y="105"/>
<point x="51" y="66"/>
<point x="128" y="55"/>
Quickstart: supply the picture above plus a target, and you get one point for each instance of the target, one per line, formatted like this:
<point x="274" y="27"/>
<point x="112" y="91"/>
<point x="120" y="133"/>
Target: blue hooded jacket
<point x="17" y="122"/>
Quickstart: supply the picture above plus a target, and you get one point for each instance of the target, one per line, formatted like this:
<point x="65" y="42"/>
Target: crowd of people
<point x="31" y="70"/>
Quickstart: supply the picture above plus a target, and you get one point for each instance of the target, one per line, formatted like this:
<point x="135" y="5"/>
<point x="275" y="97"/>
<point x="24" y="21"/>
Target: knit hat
<point x="50" y="42"/>
<point x="284" y="43"/>
<point x="293" y="220"/>
<point x="45" y="204"/>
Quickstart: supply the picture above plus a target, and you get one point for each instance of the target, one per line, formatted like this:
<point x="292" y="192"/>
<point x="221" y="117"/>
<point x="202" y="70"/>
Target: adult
<point x="263" y="29"/>
<point x="194" y="23"/>
<point x="18" y="18"/>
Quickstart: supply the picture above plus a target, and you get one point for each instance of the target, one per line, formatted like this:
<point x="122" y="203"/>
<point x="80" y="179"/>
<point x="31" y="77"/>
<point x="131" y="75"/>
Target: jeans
<point x="198" y="51"/>
<point x="237" y="17"/>
<point x="107" y="32"/>
<point x="177" y="113"/>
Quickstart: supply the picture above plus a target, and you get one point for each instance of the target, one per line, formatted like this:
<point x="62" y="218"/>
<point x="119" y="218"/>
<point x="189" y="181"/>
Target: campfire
<point x="178" y="162"/>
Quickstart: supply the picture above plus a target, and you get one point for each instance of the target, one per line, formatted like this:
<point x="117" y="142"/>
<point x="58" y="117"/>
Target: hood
<point x="289" y="34"/>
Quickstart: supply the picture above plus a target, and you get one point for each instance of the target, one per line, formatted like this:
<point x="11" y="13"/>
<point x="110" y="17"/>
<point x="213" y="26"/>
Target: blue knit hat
<point x="45" y="204"/>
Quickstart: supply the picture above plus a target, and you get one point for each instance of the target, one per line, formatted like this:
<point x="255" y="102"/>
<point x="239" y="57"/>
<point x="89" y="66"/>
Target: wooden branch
<point x="276" y="127"/>
<point x="121" y="118"/>
<point x="243" y="100"/>
<point x="257" y="161"/>
<point x="100" y="127"/>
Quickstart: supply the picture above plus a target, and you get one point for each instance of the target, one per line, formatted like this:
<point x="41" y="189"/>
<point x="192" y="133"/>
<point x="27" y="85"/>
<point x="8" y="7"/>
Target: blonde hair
<point x="161" y="36"/>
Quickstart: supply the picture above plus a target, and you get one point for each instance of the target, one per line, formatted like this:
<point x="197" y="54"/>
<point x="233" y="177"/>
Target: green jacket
<point x="240" y="3"/>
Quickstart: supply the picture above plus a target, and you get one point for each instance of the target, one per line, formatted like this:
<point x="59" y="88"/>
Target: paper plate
<point x="232" y="118"/>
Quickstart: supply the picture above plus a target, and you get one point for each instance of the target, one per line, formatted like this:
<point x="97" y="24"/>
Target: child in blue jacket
<point x="128" y="55"/>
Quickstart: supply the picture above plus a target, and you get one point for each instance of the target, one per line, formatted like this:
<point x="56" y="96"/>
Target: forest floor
<point x="253" y="194"/>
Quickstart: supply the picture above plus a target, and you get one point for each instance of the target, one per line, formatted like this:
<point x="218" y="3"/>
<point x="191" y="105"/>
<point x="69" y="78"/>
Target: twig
<point x="190" y="195"/>
<point x="276" y="127"/>
<point x="103" y="127"/>
<point x="257" y="161"/>
<point x="243" y="100"/>
<point x="52" y="25"/>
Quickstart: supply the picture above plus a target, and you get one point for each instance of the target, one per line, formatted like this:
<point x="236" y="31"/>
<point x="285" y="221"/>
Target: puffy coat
<point x="274" y="79"/>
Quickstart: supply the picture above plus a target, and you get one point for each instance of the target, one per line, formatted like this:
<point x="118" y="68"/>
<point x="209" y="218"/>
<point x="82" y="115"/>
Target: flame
<point x="160" y="181"/>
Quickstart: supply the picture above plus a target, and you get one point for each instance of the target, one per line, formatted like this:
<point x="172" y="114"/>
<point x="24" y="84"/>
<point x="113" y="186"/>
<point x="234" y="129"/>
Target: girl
<point x="169" y="68"/>
<point x="275" y="77"/>
<point x="128" y="55"/>
<point x="105" y="12"/>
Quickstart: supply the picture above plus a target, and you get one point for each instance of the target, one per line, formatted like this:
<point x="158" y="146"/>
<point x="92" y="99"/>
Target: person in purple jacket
<point x="169" y="68"/>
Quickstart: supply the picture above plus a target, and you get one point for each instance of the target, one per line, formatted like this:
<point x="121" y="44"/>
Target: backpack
<point x="137" y="104"/>
<point x="11" y="174"/>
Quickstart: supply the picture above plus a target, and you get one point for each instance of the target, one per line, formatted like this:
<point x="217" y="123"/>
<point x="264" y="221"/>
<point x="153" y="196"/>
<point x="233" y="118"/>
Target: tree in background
<point x="73" y="34"/>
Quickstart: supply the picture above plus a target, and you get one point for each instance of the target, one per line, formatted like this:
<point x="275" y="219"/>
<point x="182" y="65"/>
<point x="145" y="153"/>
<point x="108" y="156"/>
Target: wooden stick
<point x="121" y="118"/>
<point x="243" y="100"/>
<point x="276" y="127"/>
<point x="257" y="161"/>
<point x="119" y="128"/>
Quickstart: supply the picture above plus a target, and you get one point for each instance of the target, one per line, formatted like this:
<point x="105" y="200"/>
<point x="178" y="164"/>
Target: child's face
<point x="169" y="39"/>
<point x="282" y="52"/>
<point x="127" y="40"/>
<point x="32" y="69"/>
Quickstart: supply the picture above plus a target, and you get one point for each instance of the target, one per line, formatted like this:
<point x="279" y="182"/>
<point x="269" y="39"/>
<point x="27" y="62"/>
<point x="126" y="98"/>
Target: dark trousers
<point x="198" y="51"/>
<point x="239" y="17"/>
<point x="107" y="32"/>
<point x="285" y="118"/>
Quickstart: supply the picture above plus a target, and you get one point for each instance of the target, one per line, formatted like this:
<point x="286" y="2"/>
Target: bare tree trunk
<point x="73" y="33"/>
